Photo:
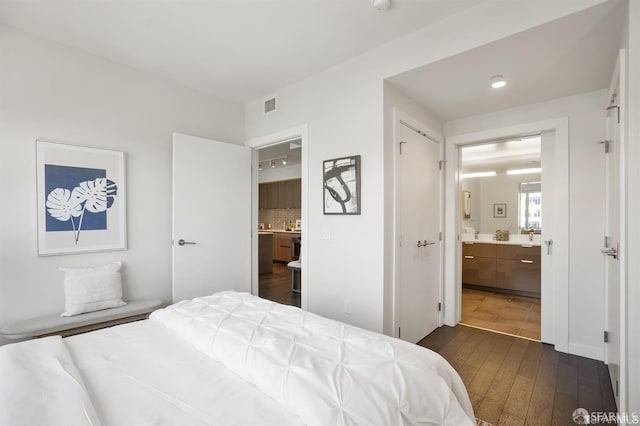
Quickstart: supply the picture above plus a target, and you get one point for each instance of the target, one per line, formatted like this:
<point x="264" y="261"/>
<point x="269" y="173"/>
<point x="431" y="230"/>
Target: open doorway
<point x="280" y="222"/>
<point x="501" y="206"/>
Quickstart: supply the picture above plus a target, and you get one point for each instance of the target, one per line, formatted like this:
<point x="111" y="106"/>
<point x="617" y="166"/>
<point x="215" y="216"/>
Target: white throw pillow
<point x="92" y="289"/>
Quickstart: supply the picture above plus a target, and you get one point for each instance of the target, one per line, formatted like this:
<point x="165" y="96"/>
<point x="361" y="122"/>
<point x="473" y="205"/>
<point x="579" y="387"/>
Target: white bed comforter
<point x="41" y="386"/>
<point x="323" y="371"/>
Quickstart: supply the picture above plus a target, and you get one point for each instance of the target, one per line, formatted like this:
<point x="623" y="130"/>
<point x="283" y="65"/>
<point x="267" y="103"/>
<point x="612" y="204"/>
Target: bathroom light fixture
<point x="284" y="160"/>
<point x="273" y="164"/>
<point x="498" y="81"/>
<point x="524" y="171"/>
<point x="259" y="167"/>
<point x="381" y="5"/>
<point x="477" y="174"/>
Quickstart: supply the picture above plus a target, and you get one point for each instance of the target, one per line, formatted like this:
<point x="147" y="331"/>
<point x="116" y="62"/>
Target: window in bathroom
<point x="530" y="207"/>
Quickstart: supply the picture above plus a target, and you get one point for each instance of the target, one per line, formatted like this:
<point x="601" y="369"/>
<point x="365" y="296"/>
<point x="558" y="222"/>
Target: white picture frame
<point x="500" y="210"/>
<point x="81" y="199"/>
<point x="341" y="186"/>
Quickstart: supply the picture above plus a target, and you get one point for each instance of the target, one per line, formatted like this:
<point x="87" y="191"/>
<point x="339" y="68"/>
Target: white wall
<point x="54" y="92"/>
<point x="343" y="107"/>
<point x="586" y="204"/>
<point x="632" y="118"/>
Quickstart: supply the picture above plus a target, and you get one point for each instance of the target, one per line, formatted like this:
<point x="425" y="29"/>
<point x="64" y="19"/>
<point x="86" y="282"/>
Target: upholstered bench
<point x="68" y="326"/>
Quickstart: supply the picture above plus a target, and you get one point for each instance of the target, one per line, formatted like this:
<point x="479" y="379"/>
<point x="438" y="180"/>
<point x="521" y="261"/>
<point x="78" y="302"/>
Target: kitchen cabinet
<point x="268" y="195"/>
<point x="283" y="245"/>
<point x="285" y="194"/>
<point x="265" y="253"/>
<point x="289" y="194"/>
<point x="511" y="268"/>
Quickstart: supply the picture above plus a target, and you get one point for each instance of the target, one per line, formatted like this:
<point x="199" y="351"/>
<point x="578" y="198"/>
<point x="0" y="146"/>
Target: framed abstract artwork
<point x="81" y="199"/>
<point x="341" y="185"/>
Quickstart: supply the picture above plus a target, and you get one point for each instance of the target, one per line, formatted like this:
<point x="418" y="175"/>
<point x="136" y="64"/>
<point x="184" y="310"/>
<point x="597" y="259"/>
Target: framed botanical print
<point x="81" y="199"/>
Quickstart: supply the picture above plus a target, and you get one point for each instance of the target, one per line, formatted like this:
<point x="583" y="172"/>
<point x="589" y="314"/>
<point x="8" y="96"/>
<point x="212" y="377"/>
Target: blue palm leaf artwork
<point x="77" y="199"/>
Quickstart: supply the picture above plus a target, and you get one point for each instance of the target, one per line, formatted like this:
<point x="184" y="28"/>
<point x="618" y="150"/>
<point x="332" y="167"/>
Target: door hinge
<point x="439" y="306"/>
<point x="606" y="146"/>
<point x="606" y="241"/>
<point x="398" y="332"/>
<point x="440" y="235"/>
<point x="606" y="336"/>
<point x="401" y="147"/>
<point x="617" y="388"/>
<point x="441" y="164"/>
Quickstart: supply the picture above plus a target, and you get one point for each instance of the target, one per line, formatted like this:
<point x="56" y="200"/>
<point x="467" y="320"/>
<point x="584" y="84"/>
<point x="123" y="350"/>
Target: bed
<point x="228" y="358"/>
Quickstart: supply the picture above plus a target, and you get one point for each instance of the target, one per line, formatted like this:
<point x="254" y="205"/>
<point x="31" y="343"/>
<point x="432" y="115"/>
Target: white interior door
<point x="419" y="246"/>
<point x="211" y="217"/>
<point x="612" y="238"/>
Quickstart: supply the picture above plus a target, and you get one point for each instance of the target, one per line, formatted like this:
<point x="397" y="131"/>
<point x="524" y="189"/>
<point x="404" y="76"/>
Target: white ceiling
<point x="280" y="150"/>
<point x="237" y="50"/>
<point x="572" y="55"/>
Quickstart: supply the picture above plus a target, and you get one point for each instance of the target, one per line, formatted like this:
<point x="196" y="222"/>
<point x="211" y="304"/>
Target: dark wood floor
<point x="513" y="381"/>
<point x="506" y="313"/>
<point x="276" y="286"/>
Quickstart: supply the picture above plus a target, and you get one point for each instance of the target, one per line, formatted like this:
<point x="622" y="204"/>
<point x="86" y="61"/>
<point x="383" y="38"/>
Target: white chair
<point x="295" y="266"/>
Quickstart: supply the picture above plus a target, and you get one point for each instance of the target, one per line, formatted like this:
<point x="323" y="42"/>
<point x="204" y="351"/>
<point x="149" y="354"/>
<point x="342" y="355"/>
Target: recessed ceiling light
<point x="381" y="5"/>
<point x="475" y="175"/>
<point x="524" y="171"/>
<point x="498" y="81"/>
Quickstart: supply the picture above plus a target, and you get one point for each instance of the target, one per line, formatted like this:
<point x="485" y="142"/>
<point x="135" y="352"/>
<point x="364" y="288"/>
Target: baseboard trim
<point x="592" y="352"/>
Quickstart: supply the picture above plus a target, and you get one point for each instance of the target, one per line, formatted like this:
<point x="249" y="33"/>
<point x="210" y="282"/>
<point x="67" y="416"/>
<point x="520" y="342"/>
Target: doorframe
<point x="620" y="77"/>
<point x="555" y="296"/>
<point x="399" y="115"/>
<point x="300" y="132"/>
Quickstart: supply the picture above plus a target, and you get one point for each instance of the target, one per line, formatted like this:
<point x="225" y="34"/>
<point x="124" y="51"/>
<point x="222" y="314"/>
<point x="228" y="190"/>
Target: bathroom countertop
<point x="277" y="231"/>
<point x="514" y="239"/>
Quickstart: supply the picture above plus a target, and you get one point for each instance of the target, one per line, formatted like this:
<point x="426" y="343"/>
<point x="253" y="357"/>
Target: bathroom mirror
<point x="504" y="178"/>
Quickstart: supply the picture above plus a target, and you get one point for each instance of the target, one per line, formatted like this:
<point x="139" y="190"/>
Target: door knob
<point x="182" y="242"/>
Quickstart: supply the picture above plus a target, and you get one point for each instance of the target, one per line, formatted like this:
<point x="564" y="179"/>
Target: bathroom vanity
<point x="503" y="266"/>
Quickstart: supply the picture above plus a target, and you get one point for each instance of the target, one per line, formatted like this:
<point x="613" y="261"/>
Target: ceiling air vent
<point x="269" y="105"/>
